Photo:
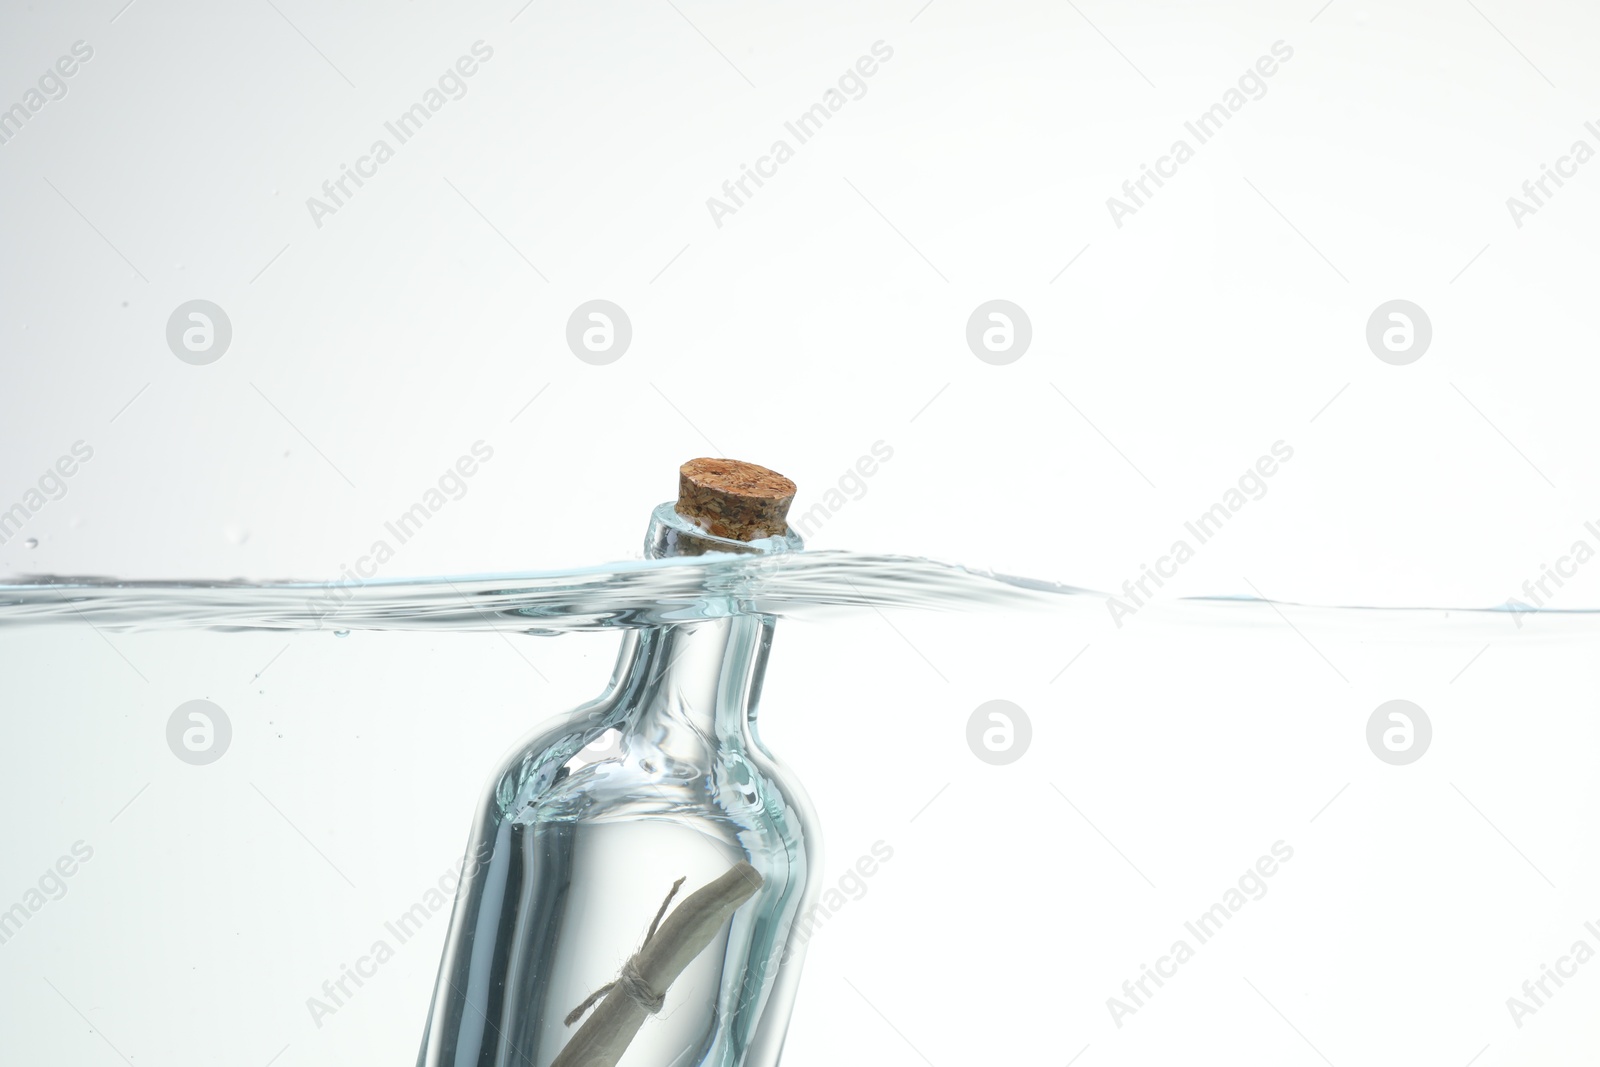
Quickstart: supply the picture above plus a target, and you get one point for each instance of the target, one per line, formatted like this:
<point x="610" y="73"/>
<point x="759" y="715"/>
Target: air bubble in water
<point x="341" y="633"/>
<point x="32" y="542"/>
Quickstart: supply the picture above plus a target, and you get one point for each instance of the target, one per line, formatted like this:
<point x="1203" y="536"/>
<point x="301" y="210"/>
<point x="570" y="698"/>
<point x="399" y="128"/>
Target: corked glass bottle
<point x="658" y="783"/>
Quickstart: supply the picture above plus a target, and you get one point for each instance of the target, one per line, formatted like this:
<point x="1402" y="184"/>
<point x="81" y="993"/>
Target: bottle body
<point x="584" y="829"/>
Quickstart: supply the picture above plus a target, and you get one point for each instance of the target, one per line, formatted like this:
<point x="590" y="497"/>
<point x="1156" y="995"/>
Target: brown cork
<point x="736" y="500"/>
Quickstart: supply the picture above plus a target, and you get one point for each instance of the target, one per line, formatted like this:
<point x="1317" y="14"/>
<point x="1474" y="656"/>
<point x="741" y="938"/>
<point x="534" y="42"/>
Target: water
<point x="625" y="595"/>
<point x="810" y="585"/>
<point x="1165" y="757"/>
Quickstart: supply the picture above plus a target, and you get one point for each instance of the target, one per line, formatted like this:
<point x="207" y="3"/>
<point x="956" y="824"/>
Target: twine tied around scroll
<point x="630" y="982"/>
<point x="641" y="986"/>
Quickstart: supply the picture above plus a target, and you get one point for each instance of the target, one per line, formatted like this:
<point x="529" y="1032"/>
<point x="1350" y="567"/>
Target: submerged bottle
<point x="591" y="820"/>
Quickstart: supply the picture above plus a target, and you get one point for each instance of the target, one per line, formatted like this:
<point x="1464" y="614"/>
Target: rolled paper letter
<point x="646" y="977"/>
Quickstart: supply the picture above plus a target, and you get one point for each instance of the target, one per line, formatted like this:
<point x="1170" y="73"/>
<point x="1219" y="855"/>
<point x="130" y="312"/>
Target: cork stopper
<point x="732" y="499"/>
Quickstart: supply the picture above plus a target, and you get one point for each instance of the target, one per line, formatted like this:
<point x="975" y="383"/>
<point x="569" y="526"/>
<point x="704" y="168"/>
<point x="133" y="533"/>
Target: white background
<point x="827" y="314"/>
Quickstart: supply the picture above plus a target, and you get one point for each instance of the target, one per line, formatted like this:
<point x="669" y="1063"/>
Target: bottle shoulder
<point x="579" y="769"/>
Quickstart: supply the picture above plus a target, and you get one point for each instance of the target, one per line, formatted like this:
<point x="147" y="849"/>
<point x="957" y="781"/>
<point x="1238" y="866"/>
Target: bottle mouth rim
<point x="671" y="534"/>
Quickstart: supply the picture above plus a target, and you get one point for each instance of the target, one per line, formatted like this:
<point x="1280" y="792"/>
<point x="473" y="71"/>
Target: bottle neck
<point x="671" y="535"/>
<point x="696" y="684"/>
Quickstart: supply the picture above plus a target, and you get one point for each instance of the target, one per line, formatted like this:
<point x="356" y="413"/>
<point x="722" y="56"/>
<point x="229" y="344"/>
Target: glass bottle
<point x="591" y="820"/>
